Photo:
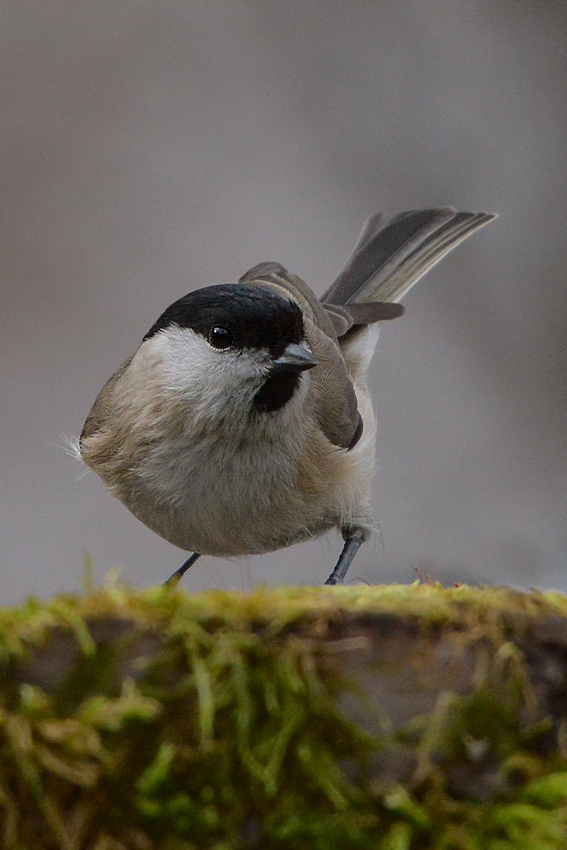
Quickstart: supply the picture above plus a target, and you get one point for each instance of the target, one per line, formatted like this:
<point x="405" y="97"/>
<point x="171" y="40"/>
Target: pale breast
<point x="261" y="496"/>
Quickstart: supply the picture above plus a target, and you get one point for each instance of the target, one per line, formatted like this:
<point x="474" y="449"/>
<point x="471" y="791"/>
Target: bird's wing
<point x="332" y="401"/>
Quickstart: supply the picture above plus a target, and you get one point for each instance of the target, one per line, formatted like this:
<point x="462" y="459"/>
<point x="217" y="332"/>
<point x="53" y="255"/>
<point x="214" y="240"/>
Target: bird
<point x="242" y="424"/>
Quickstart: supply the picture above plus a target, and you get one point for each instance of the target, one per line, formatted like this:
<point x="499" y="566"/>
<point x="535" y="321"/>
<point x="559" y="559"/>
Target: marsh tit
<point x="242" y="424"/>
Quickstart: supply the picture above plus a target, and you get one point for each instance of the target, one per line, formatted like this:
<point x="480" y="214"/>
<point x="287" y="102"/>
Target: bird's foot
<point x="176" y="577"/>
<point x="351" y="547"/>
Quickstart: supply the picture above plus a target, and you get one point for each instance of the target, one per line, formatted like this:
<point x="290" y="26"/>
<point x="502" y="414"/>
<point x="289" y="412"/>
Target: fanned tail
<point x="394" y="251"/>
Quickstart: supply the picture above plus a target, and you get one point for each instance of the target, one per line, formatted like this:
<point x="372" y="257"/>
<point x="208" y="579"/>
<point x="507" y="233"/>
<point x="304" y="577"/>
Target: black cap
<point x="254" y="316"/>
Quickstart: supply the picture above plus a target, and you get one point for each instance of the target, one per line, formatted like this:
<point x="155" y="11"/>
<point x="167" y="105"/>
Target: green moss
<point x="142" y="719"/>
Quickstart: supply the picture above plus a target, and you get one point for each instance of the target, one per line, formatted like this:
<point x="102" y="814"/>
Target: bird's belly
<point x="232" y="527"/>
<point x="247" y="502"/>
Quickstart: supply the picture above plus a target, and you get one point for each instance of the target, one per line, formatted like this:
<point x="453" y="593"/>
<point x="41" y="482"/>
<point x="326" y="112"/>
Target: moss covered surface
<point x="399" y="717"/>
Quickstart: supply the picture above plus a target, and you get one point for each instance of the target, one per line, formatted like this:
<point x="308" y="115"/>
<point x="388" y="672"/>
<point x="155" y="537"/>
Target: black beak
<point x="296" y="358"/>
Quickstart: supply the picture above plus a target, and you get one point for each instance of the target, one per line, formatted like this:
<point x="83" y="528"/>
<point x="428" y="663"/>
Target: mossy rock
<point x="399" y="717"/>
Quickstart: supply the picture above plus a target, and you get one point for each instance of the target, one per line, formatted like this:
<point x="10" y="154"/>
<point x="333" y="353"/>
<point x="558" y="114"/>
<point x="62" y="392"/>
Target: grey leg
<point x="176" y="577"/>
<point x="351" y="547"/>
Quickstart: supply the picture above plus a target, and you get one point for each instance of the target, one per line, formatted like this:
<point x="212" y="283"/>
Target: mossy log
<point x="399" y="717"/>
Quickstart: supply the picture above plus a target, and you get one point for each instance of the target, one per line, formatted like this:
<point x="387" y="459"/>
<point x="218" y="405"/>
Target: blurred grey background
<point x="150" y="148"/>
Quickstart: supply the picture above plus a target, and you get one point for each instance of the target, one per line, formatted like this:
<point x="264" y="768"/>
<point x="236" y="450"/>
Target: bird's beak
<point x="295" y="358"/>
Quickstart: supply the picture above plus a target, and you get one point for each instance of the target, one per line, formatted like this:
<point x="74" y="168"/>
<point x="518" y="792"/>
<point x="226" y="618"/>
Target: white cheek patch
<point x="191" y="366"/>
<point x="185" y="358"/>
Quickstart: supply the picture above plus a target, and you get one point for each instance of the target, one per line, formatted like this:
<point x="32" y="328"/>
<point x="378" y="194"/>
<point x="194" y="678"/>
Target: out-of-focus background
<point x="150" y="148"/>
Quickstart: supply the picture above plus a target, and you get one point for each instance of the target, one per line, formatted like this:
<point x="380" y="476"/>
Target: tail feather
<point x="394" y="252"/>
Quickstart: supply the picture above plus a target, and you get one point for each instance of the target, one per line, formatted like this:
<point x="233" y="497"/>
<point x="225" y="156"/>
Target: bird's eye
<point x="220" y="337"/>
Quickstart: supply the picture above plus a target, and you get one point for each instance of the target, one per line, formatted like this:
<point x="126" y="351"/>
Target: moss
<point x="142" y="719"/>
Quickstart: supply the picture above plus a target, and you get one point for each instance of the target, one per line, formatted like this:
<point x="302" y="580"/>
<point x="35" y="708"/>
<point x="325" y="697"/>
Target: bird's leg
<point x="176" y="577"/>
<point x="351" y="547"/>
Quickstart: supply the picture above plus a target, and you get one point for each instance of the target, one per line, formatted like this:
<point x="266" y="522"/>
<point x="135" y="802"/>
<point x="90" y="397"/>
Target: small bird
<point x="242" y="424"/>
